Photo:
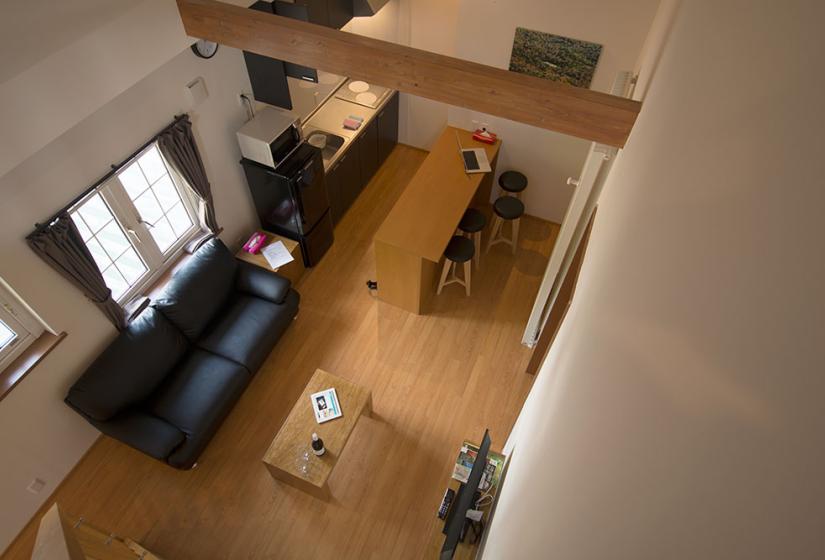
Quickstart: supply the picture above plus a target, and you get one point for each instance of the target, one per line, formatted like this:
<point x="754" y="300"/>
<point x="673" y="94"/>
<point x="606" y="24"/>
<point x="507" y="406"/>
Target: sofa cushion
<point x="131" y="367"/>
<point x="144" y="432"/>
<point x="197" y="396"/>
<point x="262" y="283"/>
<point x="197" y="291"/>
<point x="248" y="329"/>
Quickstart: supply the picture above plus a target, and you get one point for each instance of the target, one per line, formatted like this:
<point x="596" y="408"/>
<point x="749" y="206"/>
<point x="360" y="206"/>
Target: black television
<point x="464" y="501"/>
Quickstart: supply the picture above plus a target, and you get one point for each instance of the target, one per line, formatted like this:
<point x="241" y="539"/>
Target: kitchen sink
<point x="333" y="145"/>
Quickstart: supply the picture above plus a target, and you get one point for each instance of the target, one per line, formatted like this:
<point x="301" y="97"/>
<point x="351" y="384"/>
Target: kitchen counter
<point x="307" y="97"/>
<point x="411" y="241"/>
<point x="330" y="116"/>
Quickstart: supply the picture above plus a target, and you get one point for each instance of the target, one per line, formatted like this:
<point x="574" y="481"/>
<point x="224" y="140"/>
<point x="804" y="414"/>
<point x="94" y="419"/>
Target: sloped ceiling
<point x="31" y="30"/>
<point x="61" y="61"/>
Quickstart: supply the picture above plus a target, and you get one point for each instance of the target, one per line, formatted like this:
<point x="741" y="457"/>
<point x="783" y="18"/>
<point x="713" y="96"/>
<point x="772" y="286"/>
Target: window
<point x="18" y="327"/>
<point x="136" y="222"/>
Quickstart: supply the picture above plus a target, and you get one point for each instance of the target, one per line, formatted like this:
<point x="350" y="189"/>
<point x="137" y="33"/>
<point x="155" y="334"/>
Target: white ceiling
<point x="31" y="30"/>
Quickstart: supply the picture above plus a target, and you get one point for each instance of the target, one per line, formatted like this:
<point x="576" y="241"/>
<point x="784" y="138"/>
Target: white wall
<point x="679" y="414"/>
<point x="486" y="36"/>
<point x="483" y="31"/>
<point x="39" y="435"/>
<point x="424" y="24"/>
<point x="69" y="83"/>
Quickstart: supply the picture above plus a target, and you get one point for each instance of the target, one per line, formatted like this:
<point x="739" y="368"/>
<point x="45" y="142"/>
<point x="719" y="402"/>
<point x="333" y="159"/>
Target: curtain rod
<point x="114" y="168"/>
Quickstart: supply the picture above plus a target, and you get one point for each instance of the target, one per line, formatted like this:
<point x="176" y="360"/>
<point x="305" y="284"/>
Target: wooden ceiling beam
<point x="580" y="112"/>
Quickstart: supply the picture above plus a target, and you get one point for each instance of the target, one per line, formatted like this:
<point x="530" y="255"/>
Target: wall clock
<point x="204" y="48"/>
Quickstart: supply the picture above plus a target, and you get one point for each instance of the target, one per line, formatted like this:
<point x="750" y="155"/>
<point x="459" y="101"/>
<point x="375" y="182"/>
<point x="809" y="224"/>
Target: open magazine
<point x="467" y="457"/>
<point x="325" y="405"/>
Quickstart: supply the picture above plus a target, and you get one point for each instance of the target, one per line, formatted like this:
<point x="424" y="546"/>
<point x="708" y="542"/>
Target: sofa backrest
<point x="131" y="367"/>
<point x="196" y="292"/>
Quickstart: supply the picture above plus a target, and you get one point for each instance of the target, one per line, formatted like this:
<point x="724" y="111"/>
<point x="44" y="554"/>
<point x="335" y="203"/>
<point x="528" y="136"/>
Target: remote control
<point x="446" y="501"/>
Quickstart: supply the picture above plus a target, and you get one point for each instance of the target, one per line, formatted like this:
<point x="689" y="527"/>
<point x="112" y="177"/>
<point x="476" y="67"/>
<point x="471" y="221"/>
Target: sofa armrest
<point x="261" y="283"/>
<point x="144" y="432"/>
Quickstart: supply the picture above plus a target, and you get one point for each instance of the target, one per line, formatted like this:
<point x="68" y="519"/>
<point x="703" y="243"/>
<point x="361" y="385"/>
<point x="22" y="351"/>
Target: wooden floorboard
<point x="436" y="379"/>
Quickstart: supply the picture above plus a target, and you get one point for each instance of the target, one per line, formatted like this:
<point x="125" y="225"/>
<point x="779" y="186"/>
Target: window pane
<point x="85" y="233"/>
<point x="163" y="234"/>
<point x="179" y="219"/>
<point x="101" y="258"/>
<point x="148" y="207"/>
<point x="109" y="245"/>
<point x="161" y="207"/>
<point x="113" y="240"/>
<point x="96" y="213"/>
<point x="152" y="165"/>
<point x="115" y="282"/>
<point x="132" y="178"/>
<point x="166" y="192"/>
<point x="130" y="266"/>
<point x="6" y="335"/>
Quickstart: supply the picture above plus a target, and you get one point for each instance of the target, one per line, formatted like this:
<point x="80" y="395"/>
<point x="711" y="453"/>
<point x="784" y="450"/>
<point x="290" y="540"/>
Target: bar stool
<point x="472" y="222"/>
<point x="507" y="208"/>
<point x="512" y="183"/>
<point x="459" y="250"/>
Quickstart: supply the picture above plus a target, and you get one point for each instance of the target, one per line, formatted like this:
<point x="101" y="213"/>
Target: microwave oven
<point x="270" y="136"/>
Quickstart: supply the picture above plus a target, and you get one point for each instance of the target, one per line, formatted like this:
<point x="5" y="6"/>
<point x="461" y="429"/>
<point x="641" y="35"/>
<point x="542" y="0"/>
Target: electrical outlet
<point x="475" y="124"/>
<point x="36" y="486"/>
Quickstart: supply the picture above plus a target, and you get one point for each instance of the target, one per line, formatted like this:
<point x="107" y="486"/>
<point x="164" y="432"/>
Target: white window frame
<point x="21" y="321"/>
<point x="115" y="196"/>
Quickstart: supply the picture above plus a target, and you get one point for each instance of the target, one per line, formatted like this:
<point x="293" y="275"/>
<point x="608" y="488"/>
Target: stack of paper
<point x="276" y="254"/>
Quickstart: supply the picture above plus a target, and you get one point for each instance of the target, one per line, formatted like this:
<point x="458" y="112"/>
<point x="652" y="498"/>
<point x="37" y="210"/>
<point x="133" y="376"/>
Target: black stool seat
<point x="508" y="207"/>
<point x="460" y="249"/>
<point x="472" y="221"/>
<point x="512" y="181"/>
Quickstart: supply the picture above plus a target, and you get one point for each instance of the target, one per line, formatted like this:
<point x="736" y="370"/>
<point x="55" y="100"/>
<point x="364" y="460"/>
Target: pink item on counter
<point x="352" y="124"/>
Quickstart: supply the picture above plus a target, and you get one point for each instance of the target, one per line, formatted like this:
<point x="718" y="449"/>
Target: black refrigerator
<point x="291" y="200"/>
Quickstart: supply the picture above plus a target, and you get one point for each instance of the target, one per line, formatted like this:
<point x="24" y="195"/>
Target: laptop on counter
<point x="475" y="159"/>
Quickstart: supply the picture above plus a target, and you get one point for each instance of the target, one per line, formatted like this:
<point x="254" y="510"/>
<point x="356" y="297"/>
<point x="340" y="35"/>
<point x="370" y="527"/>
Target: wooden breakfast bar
<point x="410" y="242"/>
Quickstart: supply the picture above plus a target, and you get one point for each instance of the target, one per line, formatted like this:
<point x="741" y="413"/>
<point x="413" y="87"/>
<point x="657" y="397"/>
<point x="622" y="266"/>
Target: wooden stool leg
<point x="515" y="234"/>
<point x="494" y="232"/>
<point x="477" y="255"/>
<point x="468" y="265"/>
<point x="444" y="271"/>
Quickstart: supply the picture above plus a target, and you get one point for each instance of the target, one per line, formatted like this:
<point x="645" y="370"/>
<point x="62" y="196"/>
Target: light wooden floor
<point x="436" y="380"/>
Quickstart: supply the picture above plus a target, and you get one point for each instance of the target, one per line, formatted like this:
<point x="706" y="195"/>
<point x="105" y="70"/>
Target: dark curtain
<point x="178" y="146"/>
<point x="61" y="245"/>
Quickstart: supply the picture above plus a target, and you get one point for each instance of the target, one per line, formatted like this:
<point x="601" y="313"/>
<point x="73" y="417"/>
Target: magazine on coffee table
<point x="326" y="406"/>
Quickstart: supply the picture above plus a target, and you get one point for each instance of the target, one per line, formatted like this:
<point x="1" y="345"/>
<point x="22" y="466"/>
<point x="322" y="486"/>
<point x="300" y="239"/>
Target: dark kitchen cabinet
<point x="329" y="13"/>
<point x="387" y="136"/>
<point x="268" y="79"/>
<point x="303" y="13"/>
<point x="340" y="12"/>
<point x="333" y="181"/>
<point x="367" y="149"/>
<point x="344" y="183"/>
<point x="267" y="75"/>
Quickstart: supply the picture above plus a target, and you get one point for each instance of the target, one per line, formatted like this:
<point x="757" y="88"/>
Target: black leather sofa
<point x="170" y="378"/>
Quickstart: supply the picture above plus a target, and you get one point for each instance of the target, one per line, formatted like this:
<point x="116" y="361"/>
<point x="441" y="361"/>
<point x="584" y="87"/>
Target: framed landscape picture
<point x="554" y="57"/>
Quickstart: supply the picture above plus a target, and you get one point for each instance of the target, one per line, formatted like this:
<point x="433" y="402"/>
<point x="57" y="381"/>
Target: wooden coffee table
<point x="284" y="458"/>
